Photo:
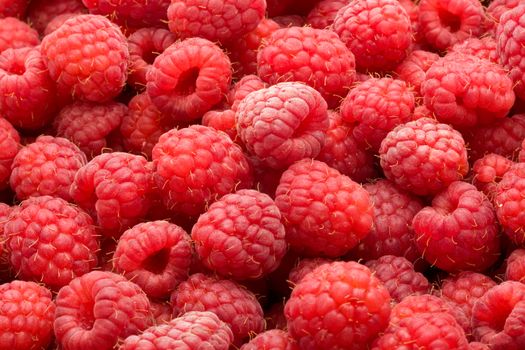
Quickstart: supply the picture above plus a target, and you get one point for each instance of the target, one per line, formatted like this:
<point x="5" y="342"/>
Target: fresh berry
<point x="222" y="121"/>
<point x="16" y="34"/>
<point x="189" y="78"/>
<point x="51" y="241"/>
<point x="161" y="311"/>
<point x="488" y="172"/>
<point x="484" y="48"/>
<point x="242" y="88"/>
<point x="96" y="310"/>
<point x="515" y="270"/>
<point x="414" y="68"/>
<point x="297" y="131"/>
<point x="131" y="13"/>
<point x="495" y="9"/>
<point x="303" y="268"/>
<point x="521" y="155"/>
<point x="9" y="146"/>
<point x="13" y="8"/>
<point x="274" y="339"/>
<point x="340" y="305"/>
<point x="323" y="14"/>
<point x="41" y="12"/>
<point x="424" y="156"/>
<point x="57" y="22"/>
<point x="509" y="203"/>
<point x="478" y="346"/>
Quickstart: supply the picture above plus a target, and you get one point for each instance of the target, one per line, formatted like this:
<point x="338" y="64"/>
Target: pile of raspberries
<point x="262" y="175"/>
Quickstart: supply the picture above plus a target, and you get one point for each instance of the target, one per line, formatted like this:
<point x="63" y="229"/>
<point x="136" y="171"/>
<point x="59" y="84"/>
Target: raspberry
<point x="511" y="45"/>
<point x="495" y="9"/>
<point x="90" y="125"/>
<point x="515" y="270"/>
<point x="233" y="303"/>
<point x="88" y="58"/>
<point x="325" y="213"/>
<point x="508" y="203"/>
<point x="195" y="166"/>
<point x="303" y="268"/>
<point x="192" y="330"/>
<point x="144" y="46"/>
<point x="27" y="312"/>
<point x="316" y="57"/>
<point x="97" y="309"/>
<point x="459" y="231"/>
<point x="51" y="241"/>
<point x="391" y="233"/>
<point x="222" y="121"/>
<point x="5" y="267"/>
<point x="15" y="34"/>
<point x="498" y="316"/>
<point x="488" y="172"/>
<point x="323" y="14"/>
<point x="376" y="31"/>
<point x="342" y="151"/>
<point x="9" y="146"/>
<point x="477" y="346"/>
<point x="41" y="12"/>
<point x="133" y="13"/>
<point x="376" y="106"/>
<point x="414" y="68"/>
<point x="156" y="255"/>
<point x="189" y="78"/>
<point x="241" y="235"/>
<point x="274" y="339"/>
<point x="116" y="189"/>
<point x="340" y="305"/>
<point x="482" y="48"/>
<point x="399" y="277"/>
<point x="274" y="317"/>
<point x="287" y="21"/>
<point x="521" y="155"/>
<point x="297" y="131"/>
<point x="161" y="311"/>
<point x="56" y="22"/>
<point x="242" y="88"/>
<point x="447" y="22"/>
<point x="423" y="156"/>
<point x="283" y="7"/>
<point x="13" y="8"/>
<point x="27" y="93"/>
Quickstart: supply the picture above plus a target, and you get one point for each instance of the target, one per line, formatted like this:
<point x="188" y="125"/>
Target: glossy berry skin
<point x="9" y="146"/>
<point x="508" y="202"/>
<point x="274" y="339"/>
<point x="132" y="13"/>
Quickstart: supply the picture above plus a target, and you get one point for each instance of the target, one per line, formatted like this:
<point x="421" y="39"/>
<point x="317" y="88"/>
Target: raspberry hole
<point x="149" y="56"/>
<point x="85" y="316"/>
<point x="187" y="81"/>
<point x="17" y="68"/>
<point x="449" y="20"/>
<point x="156" y="263"/>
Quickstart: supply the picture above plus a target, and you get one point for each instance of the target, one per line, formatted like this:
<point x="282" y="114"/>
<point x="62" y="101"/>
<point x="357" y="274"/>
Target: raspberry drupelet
<point x="274" y="339"/>
<point x="15" y="34"/>
<point x="488" y="172"/>
<point x="9" y="147"/>
<point x="414" y="68"/>
<point x="323" y="14"/>
<point x="484" y="48"/>
<point x="515" y="270"/>
<point x="131" y="13"/>
<point x="242" y="88"/>
<point x="509" y="203"/>
<point x="303" y="267"/>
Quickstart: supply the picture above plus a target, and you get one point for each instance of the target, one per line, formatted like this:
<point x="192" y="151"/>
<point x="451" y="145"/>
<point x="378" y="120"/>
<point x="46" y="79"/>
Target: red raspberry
<point x="233" y="303"/>
<point x="342" y="151"/>
<point x="323" y="14"/>
<point x="27" y="312"/>
<point x="280" y="139"/>
<point x="482" y="48"/>
<point x="51" y="241"/>
<point x="447" y="22"/>
<point x="488" y="172"/>
<point x="90" y="125"/>
<point x="414" y="68"/>
<point x="509" y="203"/>
<point x="498" y="317"/>
<point x="13" y="8"/>
<point x="515" y="270"/>
<point x="144" y="46"/>
<point x="283" y="7"/>
<point x="510" y="46"/>
<point x="399" y="277"/>
<point x="423" y="331"/>
<point x="303" y="268"/>
<point x="392" y="232"/>
<point x="242" y="88"/>
<point x="46" y="167"/>
<point x="41" y="12"/>
<point x="316" y="57"/>
<point x="56" y="22"/>
<point x="88" y="58"/>
<point x="521" y="155"/>
<point x="340" y="305"/>
<point x="223" y="20"/>
<point x="116" y="189"/>
<point x="193" y="330"/>
<point x="195" y="166"/>
<point x="325" y="213"/>
<point x="495" y="9"/>
<point x="15" y="34"/>
<point x="156" y="255"/>
<point x="9" y="146"/>
<point x="478" y="346"/>
<point x="189" y="78"/>
<point x="376" y="31"/>
<point x="27" y="93"/>
<point x="459" y="231"/>
<point x="376" y="106"/>
<point x="274" y="339"/>
<point x="412" y="10"/>
<point x="5" y="273"/>
<point x="241" y="235"/>
<point x="132" y="13"/>
<point x="96" y="310"/>
<point x="222" y="121"/>
<point x="162" y="311"/>
<point x="423" y="156"/>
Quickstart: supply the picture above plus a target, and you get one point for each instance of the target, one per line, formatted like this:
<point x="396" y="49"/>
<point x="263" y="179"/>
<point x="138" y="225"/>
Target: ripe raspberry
<point x="353" y="303"/>
<point x="495" y="9"/>
<point x="156" y="255"/>
<point x="222" y="121"/>
<point x="144" y="46"/>
<point x="189" y="78"/>
<point x="116" y="189"/>
<point x="51" y="241"/>
<point x="242" y="88"/>
<point x="399" y="277"/>
<point x="423" y="156"/>
<point x="13" y="8"/>
<point x="478" y="346"/>
<point x="274" y="339"/>
<point x="27" y="93"/>
<point x="15" y="34"/>
<point x="5" y="273"/>
<point x="223" y="20"/>
<point x="316" y="57"/>
<point x="509" y="202"/>
<point x="90" y="125"/>
<point x="488" y="172"/>
<point x="193" y="330"/>
<point x="57" y="22"/>
<point x="511" y="45"/>
<point x="132" y="13"/>
<point x="521" y="155"/>
<point x="376" y="31"/>
<point x="88" y="58"/>
<point x="342" y="151"/>
<point x="41" y="12"/>
<point x="414" y="68"/>
<point x="27" y="313"/>
<point x="296" y="132"/>
<point x="459" y="231"/>
<point x="376" y="106"/>
<point x="515" y="270"/>
<point x="325" y="213"/>
<point x="303" y="268"/>
<point x="233" y="303"/>
<point x="447" y="22"/>
<point x="96" y="310"/>
<point x="323" y="14"/>
<point x="9" y="146"/>
<point x="482" y="48"/>
<point x="195" y="166"/>
<point x="161" y="311"/>
<point x="391" y="233"/>
<point x="498" y="317"/>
